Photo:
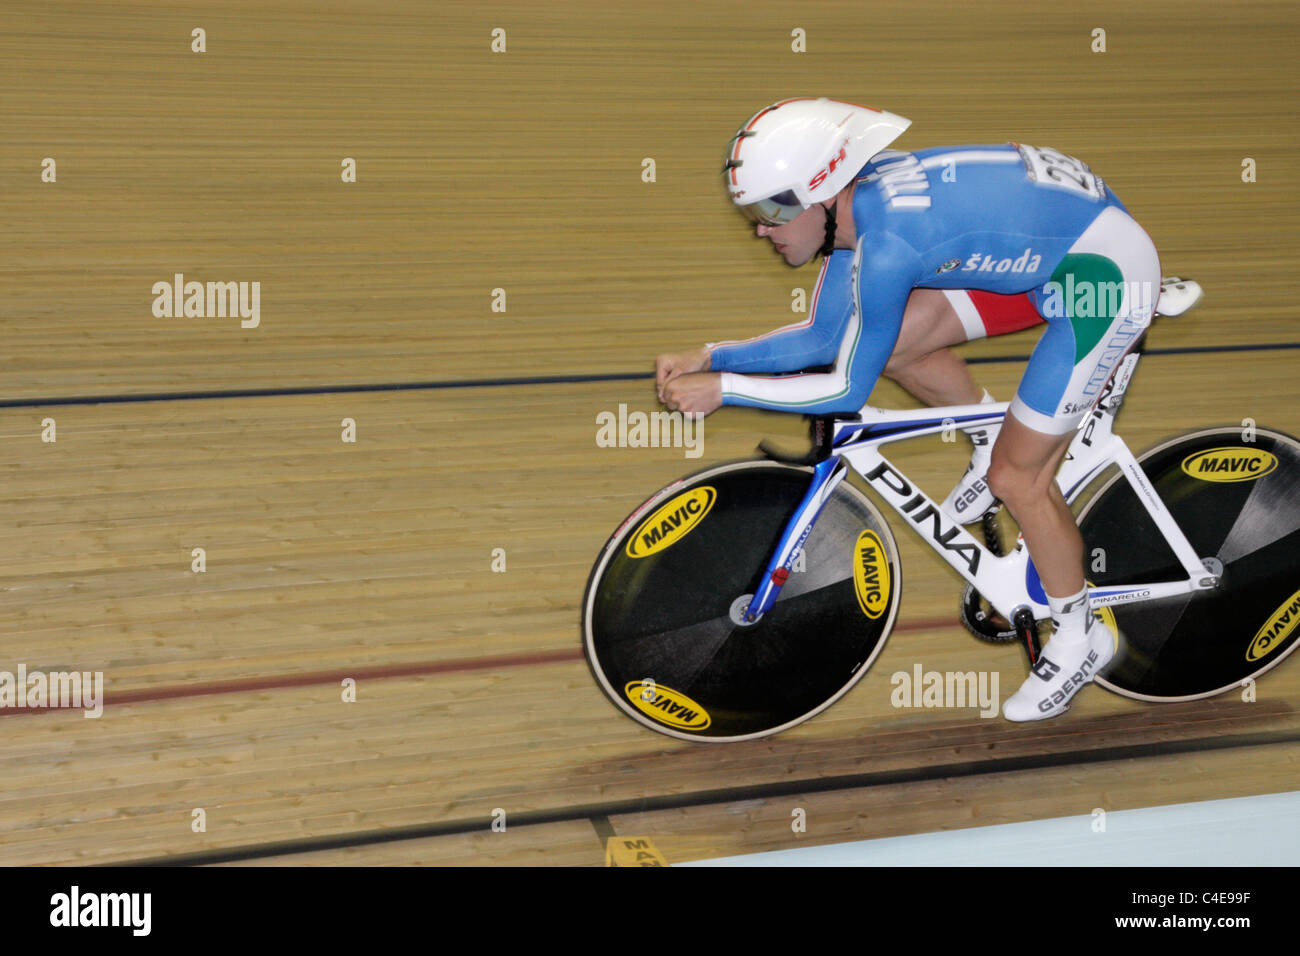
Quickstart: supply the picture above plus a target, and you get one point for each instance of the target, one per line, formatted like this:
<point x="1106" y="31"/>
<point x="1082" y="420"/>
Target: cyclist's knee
<point x="1004" y="479"/>
<point x="1010" y="482"/>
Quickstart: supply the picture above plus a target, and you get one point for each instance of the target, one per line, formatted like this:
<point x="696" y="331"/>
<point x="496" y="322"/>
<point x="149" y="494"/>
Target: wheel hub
<point x="737" y="612"/>
<point x="1215" y="567"/>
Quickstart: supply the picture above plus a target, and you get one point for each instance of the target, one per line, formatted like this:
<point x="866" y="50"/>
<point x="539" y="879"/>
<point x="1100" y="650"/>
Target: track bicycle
<point x="744" y="599"/>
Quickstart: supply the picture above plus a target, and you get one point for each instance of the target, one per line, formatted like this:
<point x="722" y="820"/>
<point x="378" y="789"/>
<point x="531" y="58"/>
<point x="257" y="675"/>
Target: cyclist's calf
<point x="1022" y="474"/>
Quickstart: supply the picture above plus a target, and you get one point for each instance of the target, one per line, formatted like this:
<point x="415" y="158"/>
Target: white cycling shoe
<point x="1177" y="295"/>
<point x="971" y="498"/>
<point x="1060" y="673"/>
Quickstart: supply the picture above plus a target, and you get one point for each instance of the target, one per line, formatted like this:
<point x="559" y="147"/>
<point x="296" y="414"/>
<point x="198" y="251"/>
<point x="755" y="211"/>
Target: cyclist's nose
<point x="762" y="230"/>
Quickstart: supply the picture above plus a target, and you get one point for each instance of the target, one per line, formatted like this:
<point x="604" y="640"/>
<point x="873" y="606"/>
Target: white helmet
<point x="803" y="151"/>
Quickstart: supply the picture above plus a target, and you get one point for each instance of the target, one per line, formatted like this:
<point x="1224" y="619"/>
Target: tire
<point x="661" y="611"/>
<point x="1210" y="641"/>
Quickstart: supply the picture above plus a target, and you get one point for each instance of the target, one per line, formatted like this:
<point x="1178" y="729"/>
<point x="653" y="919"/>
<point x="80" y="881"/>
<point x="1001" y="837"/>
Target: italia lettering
<point x="903" y="175"/>
<point x="1114" y="351"/>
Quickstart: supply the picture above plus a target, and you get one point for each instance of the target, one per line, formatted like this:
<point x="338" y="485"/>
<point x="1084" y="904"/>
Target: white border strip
<point x="1242" y="831"/>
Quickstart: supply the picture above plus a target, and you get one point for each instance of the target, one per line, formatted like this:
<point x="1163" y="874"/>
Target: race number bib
<point x="1047" y="167"/>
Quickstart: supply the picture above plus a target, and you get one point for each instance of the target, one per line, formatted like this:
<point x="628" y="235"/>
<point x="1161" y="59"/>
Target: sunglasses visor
<point x="775" y="210"/>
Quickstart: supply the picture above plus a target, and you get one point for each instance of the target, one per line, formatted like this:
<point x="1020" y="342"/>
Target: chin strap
<point x="829" y="245"/>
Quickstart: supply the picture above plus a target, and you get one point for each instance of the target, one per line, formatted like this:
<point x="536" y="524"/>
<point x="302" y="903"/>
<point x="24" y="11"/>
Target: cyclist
<point x="924" y="250"/>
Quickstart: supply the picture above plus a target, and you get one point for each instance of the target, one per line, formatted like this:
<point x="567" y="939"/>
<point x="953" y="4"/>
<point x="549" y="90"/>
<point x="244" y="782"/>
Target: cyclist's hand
<point x="694" y="392"/>
<point x="670" y="365"/>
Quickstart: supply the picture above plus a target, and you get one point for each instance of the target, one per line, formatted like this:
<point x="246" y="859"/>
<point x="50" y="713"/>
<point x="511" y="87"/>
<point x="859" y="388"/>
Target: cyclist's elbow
<point x="856" y="395"/>
<point x="825" y="349"/>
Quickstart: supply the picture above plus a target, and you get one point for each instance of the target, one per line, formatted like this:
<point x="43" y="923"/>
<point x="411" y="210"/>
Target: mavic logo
<point x="1230" y="464"/>
<point x="671" y="523"/>
<point x="666" y="705"/>
<point x="871" y="574"/>
<point x="1278" y="627"/>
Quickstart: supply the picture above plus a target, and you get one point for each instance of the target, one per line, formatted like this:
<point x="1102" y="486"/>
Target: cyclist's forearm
<point x="810" y="394"/>
<point x="806" y="344"/>
<point x="787" y="349"/>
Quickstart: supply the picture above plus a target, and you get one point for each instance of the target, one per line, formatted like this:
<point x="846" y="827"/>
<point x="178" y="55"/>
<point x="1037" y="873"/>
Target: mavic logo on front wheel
<point x="666" y="705"/>
<point x="671" y="523"/>
<point x="871" y="574"/>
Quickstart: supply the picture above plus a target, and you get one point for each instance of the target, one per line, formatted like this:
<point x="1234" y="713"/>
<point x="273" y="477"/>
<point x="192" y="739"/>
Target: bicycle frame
<point x="1009" y="583"/>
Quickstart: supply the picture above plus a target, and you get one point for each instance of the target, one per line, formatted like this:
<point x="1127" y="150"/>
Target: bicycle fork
<point x="827" y="474"/>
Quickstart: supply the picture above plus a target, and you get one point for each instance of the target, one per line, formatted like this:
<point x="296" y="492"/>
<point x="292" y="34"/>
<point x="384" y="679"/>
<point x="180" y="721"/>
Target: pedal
<point x="1027" y="630"/>
<point x="1178" y="296"/>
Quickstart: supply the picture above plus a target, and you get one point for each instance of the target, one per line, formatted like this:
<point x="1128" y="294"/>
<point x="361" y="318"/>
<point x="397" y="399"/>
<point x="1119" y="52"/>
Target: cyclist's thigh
<point x="1098" y="302"/>
<point x="929" y="323"/>
<point x="990" y="313"/>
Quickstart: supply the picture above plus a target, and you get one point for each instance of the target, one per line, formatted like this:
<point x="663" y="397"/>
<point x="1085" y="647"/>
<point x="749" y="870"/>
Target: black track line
<point x="594" y="812"/>
<point x="500" y="382"/>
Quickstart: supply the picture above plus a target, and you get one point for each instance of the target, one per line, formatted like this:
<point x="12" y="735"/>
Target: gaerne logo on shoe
<point x="1230" y="464"/>
<point x="871" y="574"/>
<point x="1044" y="669"/>
<point x="1276" y="629"/>
<point x="971" y="494"/>
<point x="671" y="523"/>
<point x="1072" y="684"/>
<point x="667" y="705"/>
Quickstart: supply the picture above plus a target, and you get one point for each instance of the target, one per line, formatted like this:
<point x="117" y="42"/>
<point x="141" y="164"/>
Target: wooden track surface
<point x="372" y="560"/>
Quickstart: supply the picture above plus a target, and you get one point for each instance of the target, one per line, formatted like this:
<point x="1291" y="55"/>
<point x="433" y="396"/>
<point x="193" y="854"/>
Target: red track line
<point x="147" y="694"/>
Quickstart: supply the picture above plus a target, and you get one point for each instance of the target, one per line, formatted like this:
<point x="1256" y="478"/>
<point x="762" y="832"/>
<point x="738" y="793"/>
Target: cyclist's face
<point x="798" y="241"/>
